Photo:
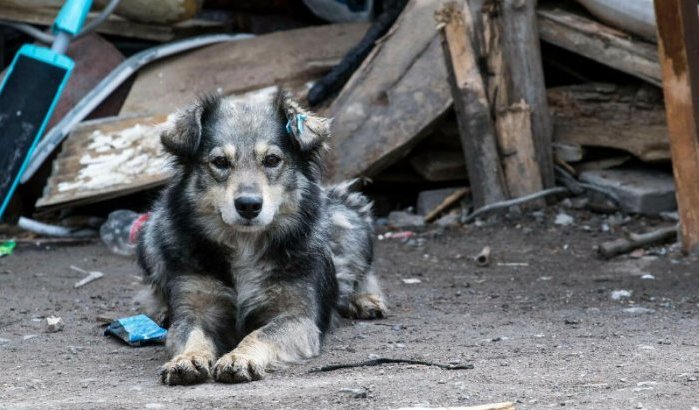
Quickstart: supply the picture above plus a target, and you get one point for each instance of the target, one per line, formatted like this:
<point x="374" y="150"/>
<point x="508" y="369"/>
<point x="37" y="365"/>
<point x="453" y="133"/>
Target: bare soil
<point x="539" y="326"/>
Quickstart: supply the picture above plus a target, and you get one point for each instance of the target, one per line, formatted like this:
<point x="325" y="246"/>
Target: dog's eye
<point x="220" y="162"/>
<point x="271" y="161"/>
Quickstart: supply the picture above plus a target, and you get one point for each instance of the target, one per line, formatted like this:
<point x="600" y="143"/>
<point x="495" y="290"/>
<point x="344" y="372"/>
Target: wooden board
<point x="678" y="41"/>
<point x="600" y="43"/>
<point x="241" y="66"/>
<point x="629" y="118"/>
<point x="118" y="26"/>
<point x="390" y="102"/>
<point x="106" y="158"/>
<point x="473" y="115"/>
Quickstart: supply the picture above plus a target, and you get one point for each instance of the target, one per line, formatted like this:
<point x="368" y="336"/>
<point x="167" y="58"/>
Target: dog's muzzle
<point x="248" y="206"/>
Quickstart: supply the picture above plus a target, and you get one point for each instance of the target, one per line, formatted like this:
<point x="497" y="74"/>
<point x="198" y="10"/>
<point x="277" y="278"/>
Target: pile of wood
<point x="453" y="96"/>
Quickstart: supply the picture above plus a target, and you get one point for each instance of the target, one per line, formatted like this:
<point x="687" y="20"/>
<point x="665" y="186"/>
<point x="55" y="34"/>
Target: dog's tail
<point x="343" y="193"/>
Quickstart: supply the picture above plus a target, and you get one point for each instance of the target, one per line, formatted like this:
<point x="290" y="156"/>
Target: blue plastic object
<point x="137" y="330"/>
<point x="72" y="16"/>
<point x="28" y="94"/>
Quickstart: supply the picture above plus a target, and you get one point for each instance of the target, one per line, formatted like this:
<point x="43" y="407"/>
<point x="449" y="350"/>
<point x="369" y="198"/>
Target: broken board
<point x="240" y="66"/>
<point x="393" y="98"/>
<point x="630" y="119"/>
<point x="600" y="43"/>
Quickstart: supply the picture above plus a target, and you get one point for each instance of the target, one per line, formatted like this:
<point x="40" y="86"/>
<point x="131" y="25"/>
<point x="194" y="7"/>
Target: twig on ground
<point x="635" y="241"/>
<point x="385" y="360"/>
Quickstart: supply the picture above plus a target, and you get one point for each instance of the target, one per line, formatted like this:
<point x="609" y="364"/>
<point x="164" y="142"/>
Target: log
<point x="240" y="66"/>
<point x="392" y="100"/>
<point x="625" y="245"/>
<point x="476" y="128"/>
<point x="522" y="172"/>
<point x="522" y="53"/>
<point x="600" y="43"/>
<point x="447" y="203"/>
<point x="678" y="42"/>
<point x="629" y="118"/>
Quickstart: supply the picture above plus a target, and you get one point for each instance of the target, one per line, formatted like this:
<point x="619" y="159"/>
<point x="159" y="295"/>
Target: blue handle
<point x="72" y="16"/>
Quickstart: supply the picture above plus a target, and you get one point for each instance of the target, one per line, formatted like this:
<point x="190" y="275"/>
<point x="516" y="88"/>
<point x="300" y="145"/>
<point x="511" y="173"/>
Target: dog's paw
<point x="237" y="368"/>
<point x="367" y="306"/>
<point x="187" y="368"/>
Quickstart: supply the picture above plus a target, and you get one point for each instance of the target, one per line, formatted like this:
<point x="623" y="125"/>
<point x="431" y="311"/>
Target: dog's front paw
<point x="187" y="368"/>
<point x="238" y="368"/>
<point x="367" y="306"/>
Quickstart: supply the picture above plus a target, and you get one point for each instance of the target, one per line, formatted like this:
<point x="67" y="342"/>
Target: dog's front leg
<point x="203" y="318"/>
<point x="285" y="339"/>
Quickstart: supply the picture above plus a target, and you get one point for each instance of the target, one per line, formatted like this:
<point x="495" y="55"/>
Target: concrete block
<point x="642" y="191"/>
<point x="428" y="200"/>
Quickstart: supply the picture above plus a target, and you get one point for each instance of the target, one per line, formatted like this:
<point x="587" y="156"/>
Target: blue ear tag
<point x="300" y="119"/>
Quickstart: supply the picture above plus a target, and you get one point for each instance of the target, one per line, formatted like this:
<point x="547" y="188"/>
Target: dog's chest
<point x="250" y="272"/>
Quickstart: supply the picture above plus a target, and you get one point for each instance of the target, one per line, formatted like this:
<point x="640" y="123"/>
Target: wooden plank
<point x="629" y="118"/>
<point x="514" y="130"/>
<point x="600" y="43"/>
<point x="236" y="67"/>
<point x="678" y="45"/>
<point x="522" y="53"/>
<point x="471" y="105"/>
<point x="118" y="26"/>
<point x="390" y="102"/>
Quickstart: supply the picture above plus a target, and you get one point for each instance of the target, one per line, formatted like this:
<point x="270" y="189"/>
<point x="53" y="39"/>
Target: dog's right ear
<point x="183" y="136"/>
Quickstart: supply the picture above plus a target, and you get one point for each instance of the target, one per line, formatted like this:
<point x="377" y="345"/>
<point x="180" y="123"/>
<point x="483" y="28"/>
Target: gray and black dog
<point x="249" y="256"/>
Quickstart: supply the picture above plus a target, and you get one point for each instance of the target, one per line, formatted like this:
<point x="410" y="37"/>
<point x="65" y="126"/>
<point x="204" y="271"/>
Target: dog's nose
<point x="248" y="206"/>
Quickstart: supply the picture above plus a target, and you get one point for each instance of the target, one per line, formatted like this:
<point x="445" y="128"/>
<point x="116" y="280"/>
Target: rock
<point x="642" y="191"/>
<point x="447" y="220"/>
<point x="402" y="219"/>
<point x="621" y="294"/>
<point x="563" y="219"/>
<point x="428" y="200"/>
<point x="54" y="324"/>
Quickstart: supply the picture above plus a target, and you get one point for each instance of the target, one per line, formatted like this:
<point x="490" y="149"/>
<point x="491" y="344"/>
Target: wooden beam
<point x="392" y="100"/>
<point x="522" y="53"/>
<point x="678" y="45"/>
<point x="600" y="43"/>
<point x="468" y="90"/>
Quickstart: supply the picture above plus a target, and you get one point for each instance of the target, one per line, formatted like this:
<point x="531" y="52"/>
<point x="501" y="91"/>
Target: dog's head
<point x="247" y="165"/>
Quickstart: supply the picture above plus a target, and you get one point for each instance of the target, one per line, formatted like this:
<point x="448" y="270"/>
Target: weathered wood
<point x="390" y="102"/>
<point x="678" y="43"/>
<point x="240" y="66"/>
<point x="514" y="131"/>
<point x="447" y="203"/>
<point x="600" y="43"/>
<point x="634" y="241"/>
<point x="471" y="105"/>
<point x="522" y="53"/>
<point x="628" y="118"/>
<point x="116" y="25"/>
<point x="438" y="165"/>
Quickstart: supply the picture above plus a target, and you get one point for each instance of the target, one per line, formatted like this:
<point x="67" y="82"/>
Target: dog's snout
<point x="248" y="206"/>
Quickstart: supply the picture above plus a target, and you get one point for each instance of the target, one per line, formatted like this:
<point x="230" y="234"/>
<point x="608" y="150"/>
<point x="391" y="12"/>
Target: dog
<point x="250" y="256"/>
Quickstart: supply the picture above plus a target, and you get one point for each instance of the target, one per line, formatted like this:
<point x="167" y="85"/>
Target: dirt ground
<point x="539" y="326"/>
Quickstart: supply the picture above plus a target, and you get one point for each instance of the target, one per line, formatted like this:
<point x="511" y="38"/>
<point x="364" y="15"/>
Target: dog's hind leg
<point x="203" y="323"/>
<point x="367" y="300"/>
<point x="283" y="340"/>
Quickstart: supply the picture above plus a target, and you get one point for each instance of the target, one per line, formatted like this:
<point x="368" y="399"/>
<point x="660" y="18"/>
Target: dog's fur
<point x="245" y="295"/>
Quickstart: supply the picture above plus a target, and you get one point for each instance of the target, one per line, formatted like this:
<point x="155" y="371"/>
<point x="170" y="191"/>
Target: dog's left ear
<point x="308" y="130"/>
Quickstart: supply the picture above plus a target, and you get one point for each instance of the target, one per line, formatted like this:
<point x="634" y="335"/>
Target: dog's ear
<point x="308" y="131"/>
<point x="182" y="136"/>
